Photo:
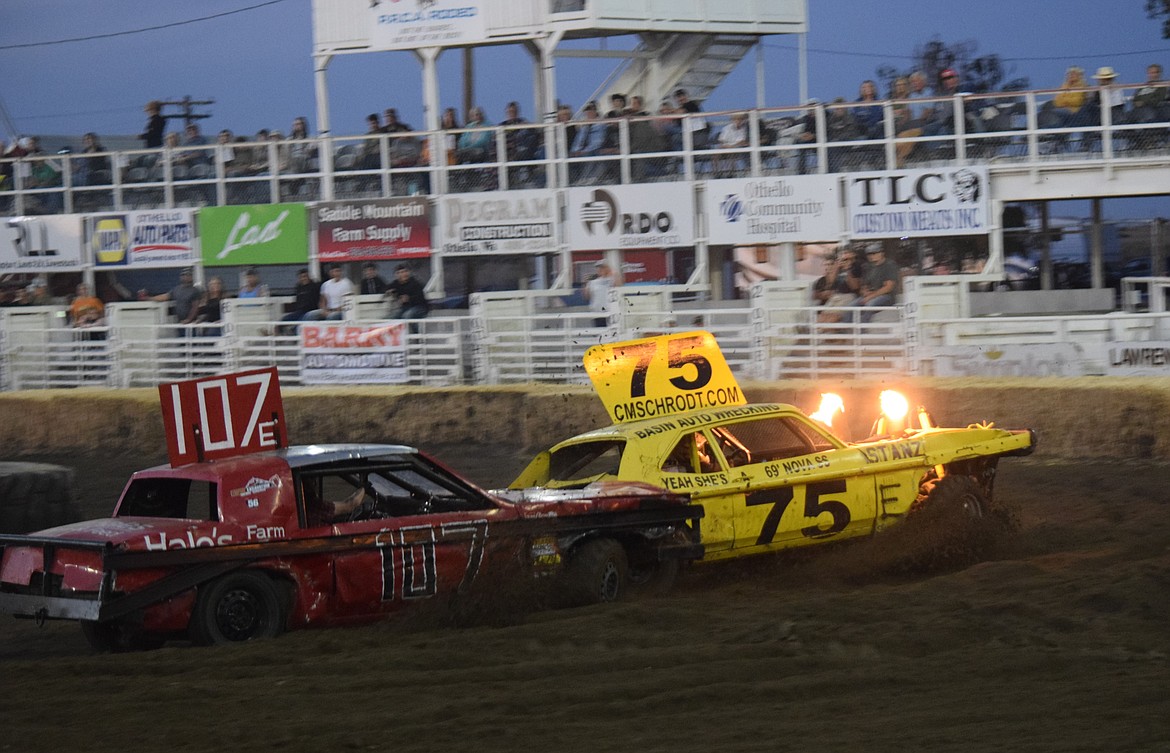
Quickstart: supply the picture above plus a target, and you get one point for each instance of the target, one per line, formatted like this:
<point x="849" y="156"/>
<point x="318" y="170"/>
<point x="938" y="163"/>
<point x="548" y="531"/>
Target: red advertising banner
<point x="373" y="229"/>
<point x="223" y="416"/>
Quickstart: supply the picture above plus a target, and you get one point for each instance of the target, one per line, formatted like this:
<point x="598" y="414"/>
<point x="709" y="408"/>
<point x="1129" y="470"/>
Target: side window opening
<point x="587" y="460"/>
<point x="175" y="498"/>
<point x="692" y="454"/>
<point x="765" y="439"/>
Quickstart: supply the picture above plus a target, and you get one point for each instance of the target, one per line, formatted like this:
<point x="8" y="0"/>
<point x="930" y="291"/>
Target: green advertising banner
<point x="254" y="234"/>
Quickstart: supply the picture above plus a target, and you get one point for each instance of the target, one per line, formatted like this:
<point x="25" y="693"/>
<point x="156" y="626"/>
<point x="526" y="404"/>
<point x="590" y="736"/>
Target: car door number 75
<point x="814" y="506"/>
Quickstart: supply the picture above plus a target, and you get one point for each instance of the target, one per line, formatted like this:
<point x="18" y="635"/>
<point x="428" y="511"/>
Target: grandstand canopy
<point x="702" y="39"/>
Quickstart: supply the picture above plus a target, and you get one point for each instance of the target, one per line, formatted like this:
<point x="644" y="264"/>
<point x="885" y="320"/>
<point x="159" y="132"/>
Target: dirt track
<point x="1056" y="641"/>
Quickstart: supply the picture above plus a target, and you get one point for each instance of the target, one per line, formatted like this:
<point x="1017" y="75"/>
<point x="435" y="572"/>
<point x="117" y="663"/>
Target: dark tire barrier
<point x="34" y="496"/>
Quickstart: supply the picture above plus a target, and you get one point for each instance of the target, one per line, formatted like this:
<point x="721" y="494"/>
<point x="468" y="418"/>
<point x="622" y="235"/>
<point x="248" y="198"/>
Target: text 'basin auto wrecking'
<point x="243" y="537"/>
<point x="768" y="476"/>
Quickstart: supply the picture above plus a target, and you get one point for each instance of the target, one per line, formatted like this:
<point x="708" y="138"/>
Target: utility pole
<point x="187" y="107"/>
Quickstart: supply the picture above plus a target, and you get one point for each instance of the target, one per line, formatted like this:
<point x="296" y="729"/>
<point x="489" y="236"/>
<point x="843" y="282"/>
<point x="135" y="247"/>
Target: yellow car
<point x="768" y="476"/>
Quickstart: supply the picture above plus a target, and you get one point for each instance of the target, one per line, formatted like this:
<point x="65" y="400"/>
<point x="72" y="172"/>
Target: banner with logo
<point x="253" y="234"/>
<point x="347" y="354"/>
<point x="374" y="229"/>
<point x="158" y="238"/>
<point x="1144" y="358"/>
<point x="651" y="215"/>
<point x="918" y="203"/>
<point x="754" y="211"/>
<point x="1054" y="359"/>
<point x="504" y="222"/>
<point x="49" y="243"/>
<point x="410" y="24"/>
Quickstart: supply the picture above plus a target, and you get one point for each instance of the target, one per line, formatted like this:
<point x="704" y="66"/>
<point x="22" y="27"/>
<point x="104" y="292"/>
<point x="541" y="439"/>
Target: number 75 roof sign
<point x="223" y="416"/>
<point x="659" y="376"/>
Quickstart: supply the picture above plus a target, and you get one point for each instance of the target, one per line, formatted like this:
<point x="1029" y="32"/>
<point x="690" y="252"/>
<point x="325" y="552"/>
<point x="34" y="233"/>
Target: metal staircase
<point x="662" y="63"/>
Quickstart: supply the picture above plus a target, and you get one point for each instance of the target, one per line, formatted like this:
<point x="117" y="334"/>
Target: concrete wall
<point x="1075" y="418"/>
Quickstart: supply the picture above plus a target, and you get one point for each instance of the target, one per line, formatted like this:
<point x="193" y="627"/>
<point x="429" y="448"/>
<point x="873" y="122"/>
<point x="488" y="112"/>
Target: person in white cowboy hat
<point x="1114" y="97"/>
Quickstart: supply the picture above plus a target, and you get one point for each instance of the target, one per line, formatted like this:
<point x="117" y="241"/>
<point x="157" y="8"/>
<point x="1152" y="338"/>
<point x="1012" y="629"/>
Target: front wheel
<point x="240" y="606"/>
<point x="597" y="572"/>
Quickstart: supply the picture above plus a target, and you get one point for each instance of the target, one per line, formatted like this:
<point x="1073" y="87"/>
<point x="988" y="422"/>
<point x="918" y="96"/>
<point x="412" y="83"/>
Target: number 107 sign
<point x="223" y="416"/>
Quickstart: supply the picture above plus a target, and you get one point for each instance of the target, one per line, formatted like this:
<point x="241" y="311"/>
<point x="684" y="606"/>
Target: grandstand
<point x="727" y="239"/>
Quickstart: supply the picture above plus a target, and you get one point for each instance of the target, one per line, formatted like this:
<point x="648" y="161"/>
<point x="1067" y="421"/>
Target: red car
<point x="246" y="547"/>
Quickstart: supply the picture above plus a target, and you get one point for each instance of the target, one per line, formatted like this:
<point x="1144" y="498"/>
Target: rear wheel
<point x="650" y="576"/>
<point x="240" y="606"/>
<point x="597" y="572"/>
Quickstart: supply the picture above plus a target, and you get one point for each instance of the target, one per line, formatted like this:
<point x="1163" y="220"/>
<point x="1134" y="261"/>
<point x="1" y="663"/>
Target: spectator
<point x="371" y="155"/>
<point x="184" y="297"/>
<point x="252" y="288"/>
<point x="475" y="145"/>
<point x="372" y="282"/>
<point x="696" y="124"/>
<point x="226" y="153"/>
<point x="333" y="293"/>
<point x="920" y="112"/>
<point x="520" y="143"/>
<point x="735" y="135"/>
<point x="210" y="308"/>
<point x="838" y="286"/>
<point x="617" y="111"/>
<point x="277" y="139"/>
<point x="943" y="119"/>
<point x="191" y="155"/>
<point x="449" y="141"/>
<point x="86" y="310"/>
<point x="392" y="123"/>
<point x="1149" y="101"/>
<point x="152" y="136"/>
<point x="879" y="281"/>
<point x="306" y="297"/>
<point x="1069" y="102"/>
<point x="87" y="170"/>
<point x="644" y="137"/>
<point x="1112" y="96"/>
<point x="39" y="293"/>
<point x="669" y="125"/>
<point x="867" y="112"/>
<point x="597" y="293"/>
<point x="408" y="299"/>
<point x="907" y="116"/>
<point x="300" y="148"/>
<point x="565" y="118"/>
<point x="43" y="172"/>
<point x="589" y="142"/>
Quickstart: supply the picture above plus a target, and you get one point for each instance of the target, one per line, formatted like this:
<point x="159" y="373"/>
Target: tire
<point x="951" y="527"/>
<point x="596" y="573"/>
<point x="649" y="576"/>
<point x="118" y="637"/>
<point x="35" y="496"/>
<point x="240" y="606"/>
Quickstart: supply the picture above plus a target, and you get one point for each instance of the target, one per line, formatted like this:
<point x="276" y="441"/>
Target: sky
<point x="255" y="59"/>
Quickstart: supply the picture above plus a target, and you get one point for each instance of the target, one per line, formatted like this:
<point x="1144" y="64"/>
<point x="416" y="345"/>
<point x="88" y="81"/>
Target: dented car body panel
<point x="769" y="477"/>
<point x="421" y="534"/>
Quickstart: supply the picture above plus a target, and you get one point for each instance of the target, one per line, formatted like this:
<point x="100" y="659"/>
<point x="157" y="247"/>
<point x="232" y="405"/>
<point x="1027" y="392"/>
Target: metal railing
<point x="1012" y="128"/>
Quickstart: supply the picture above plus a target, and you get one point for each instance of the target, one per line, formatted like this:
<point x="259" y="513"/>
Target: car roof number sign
<point x="661" y="376"/>
<point x="223" y="416"/>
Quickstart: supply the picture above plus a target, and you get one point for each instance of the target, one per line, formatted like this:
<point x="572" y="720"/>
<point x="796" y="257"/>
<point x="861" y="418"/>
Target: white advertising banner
<point x="1148" y="358"/>
<point x="753" y="211"/>
<point x="502" y="222"/>
<point x="651" y="215"/>
<point x="158" y="238"/>
<point x="347" y="354"/>
<point x="410" y="24"/>
<point x="40" y="243"/>
<point x="1056" y="359"/>
<point x="918" y="203"/>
